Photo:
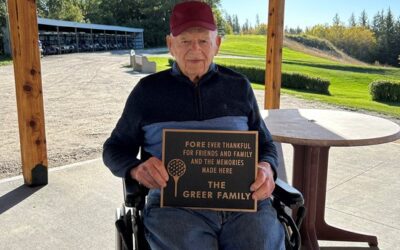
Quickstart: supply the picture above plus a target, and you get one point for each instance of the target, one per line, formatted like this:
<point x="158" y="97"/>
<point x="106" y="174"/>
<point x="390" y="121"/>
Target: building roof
<point x="60" y="23"/>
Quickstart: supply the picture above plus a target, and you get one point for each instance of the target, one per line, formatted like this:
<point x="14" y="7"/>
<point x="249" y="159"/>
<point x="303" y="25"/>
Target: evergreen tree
<point x="363" y="19"/>
<point x="246" y="27"/>
<point x="390" y="36"/>
<point x="228" y="24"/>
<point x="257" y="20"/>
<point x="378" y="23"/>
<point x="397" y="38"/>
<point x="336" y="20"/>
<point x="352" y="20"/>
<point x="236" y="27"/>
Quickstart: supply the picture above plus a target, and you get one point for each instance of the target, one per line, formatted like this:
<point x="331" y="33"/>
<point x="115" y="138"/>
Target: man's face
<point x="194" y="50"/>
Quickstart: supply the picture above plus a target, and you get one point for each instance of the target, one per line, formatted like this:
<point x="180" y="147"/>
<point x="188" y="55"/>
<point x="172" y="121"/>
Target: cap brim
<point x="181" y="28"/>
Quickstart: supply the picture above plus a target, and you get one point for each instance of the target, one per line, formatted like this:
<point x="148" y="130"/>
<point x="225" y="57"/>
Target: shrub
<point x="289" y="80"/>
<point x="254" y="74"/>
<point x="305" y="82"/>
<point x="383" y="90"/>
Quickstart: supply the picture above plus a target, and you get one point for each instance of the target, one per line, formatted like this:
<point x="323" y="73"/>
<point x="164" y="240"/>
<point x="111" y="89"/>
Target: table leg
<point x="305" y="174"/>
<point x="324" y="230"/>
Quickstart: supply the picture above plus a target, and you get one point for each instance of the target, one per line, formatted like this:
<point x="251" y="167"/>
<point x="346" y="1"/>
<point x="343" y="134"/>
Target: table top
<point x="317" y="127"/>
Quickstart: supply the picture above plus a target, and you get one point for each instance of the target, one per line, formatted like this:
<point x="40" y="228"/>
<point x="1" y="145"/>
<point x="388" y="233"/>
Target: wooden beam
<point x="28" y="85"/>
<point x="273" y="72"/>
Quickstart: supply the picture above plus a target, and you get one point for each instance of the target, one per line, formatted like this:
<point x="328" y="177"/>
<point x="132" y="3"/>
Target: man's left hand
<point x="264" y="185"/>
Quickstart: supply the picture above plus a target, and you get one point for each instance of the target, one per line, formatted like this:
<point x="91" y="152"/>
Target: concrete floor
<point x="76" y="209"/>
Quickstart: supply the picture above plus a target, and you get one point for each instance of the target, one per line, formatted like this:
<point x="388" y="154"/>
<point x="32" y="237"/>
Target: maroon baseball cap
<point x="191" y="14"/>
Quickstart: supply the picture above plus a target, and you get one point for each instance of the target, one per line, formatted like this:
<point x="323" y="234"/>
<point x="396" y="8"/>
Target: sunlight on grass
<point x="349" y="83"/>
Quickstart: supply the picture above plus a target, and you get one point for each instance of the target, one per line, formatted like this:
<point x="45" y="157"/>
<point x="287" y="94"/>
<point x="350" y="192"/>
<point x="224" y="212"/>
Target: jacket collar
<point x="175" y="71"/>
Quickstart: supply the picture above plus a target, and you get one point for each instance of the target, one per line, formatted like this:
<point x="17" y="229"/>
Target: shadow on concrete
<point x="16" y="196"/>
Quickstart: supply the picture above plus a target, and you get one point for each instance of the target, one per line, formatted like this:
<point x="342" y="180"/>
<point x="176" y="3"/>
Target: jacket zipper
<point x="197" y="102"/>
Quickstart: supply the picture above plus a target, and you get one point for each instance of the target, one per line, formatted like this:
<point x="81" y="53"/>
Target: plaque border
<point x="254" y="209"/>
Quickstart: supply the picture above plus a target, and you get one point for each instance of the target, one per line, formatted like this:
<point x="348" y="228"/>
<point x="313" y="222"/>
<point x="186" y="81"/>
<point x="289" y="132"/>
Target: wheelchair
<point x="130" y="229"/>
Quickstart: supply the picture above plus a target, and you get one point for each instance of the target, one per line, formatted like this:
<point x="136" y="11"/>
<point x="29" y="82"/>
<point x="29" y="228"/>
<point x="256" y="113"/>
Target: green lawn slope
<point x="349" y="82"/>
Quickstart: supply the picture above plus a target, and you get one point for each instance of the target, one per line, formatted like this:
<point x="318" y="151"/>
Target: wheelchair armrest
<point x="134" y="193"/>
<point x="287" y="194"/>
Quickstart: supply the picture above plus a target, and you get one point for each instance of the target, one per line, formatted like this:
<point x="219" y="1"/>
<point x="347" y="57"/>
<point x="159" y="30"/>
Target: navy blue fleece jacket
<point x="221" y="100"/>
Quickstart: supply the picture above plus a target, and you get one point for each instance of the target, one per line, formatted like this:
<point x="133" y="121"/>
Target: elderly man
<point x="194" y="94"/>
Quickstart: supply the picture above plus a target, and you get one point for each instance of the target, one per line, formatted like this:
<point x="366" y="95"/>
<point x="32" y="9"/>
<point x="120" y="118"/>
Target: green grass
<point x="349" y="83"/>
<point x="5" y="60"/>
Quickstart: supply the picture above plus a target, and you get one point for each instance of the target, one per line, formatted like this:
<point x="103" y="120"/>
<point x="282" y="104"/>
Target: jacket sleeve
<point x="266" y="147"/>
<point x="121" y="149"/>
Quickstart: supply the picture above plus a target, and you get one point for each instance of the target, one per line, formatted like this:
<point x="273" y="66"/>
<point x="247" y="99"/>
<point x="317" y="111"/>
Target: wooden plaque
<point x="210" y="169"/>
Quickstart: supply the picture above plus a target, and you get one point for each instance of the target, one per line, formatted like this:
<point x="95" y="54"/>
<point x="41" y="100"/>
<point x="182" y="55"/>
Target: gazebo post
<point x="28" y="85"/>
<point x="273" y="72"/>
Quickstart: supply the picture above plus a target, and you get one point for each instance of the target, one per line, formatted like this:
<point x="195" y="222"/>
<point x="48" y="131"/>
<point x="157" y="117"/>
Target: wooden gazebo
<point x="31" y="117"/>
<point x="28" y="81"/>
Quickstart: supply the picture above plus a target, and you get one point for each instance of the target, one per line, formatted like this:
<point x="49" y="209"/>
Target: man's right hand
<point x="151" y="173"/>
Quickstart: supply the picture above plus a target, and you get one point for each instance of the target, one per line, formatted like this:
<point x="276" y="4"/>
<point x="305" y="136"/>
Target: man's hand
<point x="264" y="185"/>
<point x="151" y="173"/>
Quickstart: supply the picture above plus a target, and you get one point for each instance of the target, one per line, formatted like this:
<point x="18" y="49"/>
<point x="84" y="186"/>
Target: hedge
<point x="384" y="90"/>
<point x="289" y="80"/>
<point x="305" y="82"/>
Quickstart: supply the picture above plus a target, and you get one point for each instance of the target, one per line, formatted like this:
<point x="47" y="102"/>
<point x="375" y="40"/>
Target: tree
<point x="378" y="23"/>
<point x="3" y="12"/>
<point x="261" y="29"/>
<point x="246" y="27"/>
<point x="228" y="28"/>
<point x="363" y="19"/>
<point x="3" y="15"/>
<point x="390" y="38"/>
<point x="61" y="9"/>
<point x="90" y="9"/>
<point x="336" y="20"/>
<point x="153" y="16"/>
<point x="257" y="20"/>
<point x="215" y="4"/>
<point x="358" y="42"/>
<point x="352" y="20"/>
<point x="386" y="32"/>
<point x="397" y="38"/>
<point x="42" y="9"/>
<point x="236" y="26"/>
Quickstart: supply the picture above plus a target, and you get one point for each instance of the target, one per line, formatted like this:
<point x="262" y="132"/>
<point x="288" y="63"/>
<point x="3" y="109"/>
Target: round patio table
<point x="312" y="132"/>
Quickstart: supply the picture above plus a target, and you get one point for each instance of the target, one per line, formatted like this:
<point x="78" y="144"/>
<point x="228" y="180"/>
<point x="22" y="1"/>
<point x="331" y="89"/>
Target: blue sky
<point x="306" y="13"/>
